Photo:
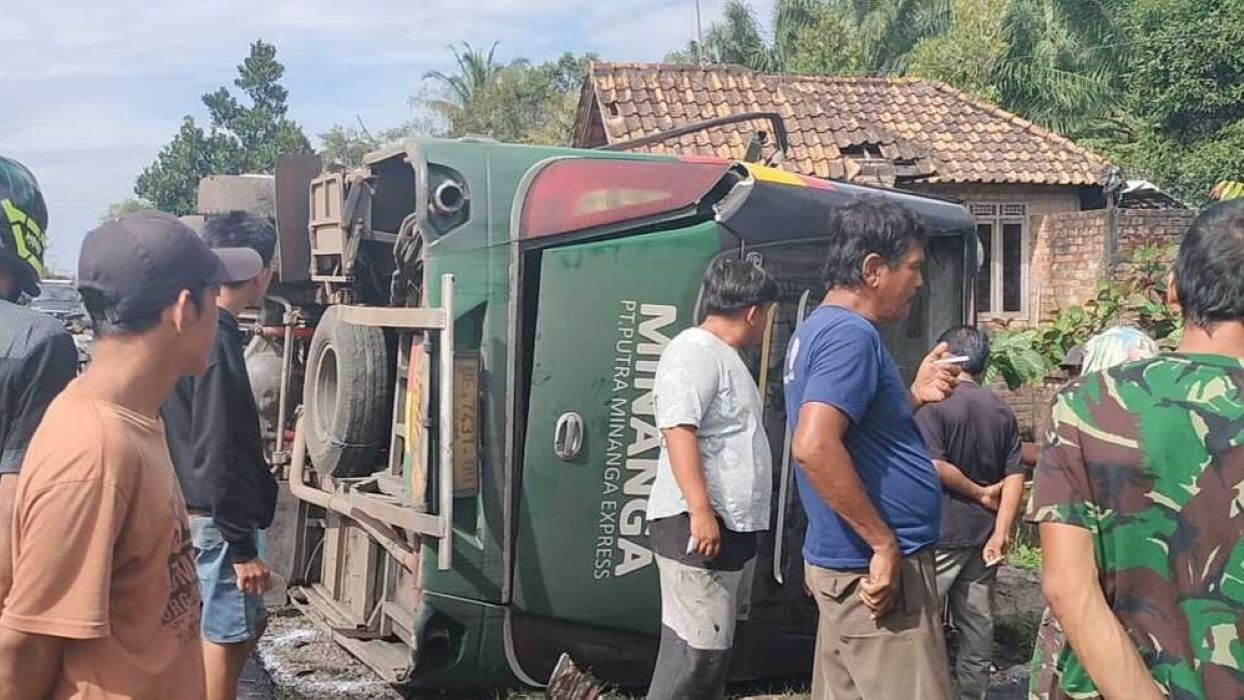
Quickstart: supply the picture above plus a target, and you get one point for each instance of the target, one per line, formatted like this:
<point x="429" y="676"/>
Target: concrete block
<point x="194" y="221"/>
<point x="224" y="193"/>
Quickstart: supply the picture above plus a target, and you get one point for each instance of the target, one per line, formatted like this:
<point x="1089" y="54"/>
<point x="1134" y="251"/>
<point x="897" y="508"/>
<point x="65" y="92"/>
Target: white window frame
<point x="996" y="214"/>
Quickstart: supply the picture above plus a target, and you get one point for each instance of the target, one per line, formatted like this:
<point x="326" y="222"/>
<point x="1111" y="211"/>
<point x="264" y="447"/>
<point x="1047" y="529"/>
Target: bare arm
<point x="1069" y="581"/>
<point x="1008" y="503"/>
<point x="684" y="451"/>
<point x="1012" y="491"/>
<point x="818" y="447"/>
<point x="955" y="480"/>
<point x="29" y="664"/>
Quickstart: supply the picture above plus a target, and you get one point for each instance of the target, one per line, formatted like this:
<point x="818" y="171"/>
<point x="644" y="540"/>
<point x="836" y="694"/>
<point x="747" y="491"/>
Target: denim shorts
<point x="229" y="615"/>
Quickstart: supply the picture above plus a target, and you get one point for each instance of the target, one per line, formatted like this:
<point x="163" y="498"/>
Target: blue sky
<point x="91" y="89"/>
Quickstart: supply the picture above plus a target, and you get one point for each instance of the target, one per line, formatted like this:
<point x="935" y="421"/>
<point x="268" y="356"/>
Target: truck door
<point x="605" y="312"/>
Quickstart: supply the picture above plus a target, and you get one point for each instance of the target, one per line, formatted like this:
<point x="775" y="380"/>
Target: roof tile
<point x="936" y="131"/>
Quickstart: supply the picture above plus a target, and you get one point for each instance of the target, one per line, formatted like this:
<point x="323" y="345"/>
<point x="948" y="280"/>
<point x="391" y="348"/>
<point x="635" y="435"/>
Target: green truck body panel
<point x="607" y="310"/>
<point x="551" y="554"/>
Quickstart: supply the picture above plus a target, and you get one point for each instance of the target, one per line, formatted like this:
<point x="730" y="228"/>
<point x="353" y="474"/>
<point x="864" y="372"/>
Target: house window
<point x="1002" y="285"/>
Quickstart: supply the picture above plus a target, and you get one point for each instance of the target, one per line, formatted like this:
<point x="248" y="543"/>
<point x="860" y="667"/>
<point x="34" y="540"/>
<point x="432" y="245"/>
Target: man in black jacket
<point x="37" y="355"/>
<point x="217" y="449"/>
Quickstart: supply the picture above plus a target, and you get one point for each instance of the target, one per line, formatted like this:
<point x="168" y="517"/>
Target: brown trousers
<point x="900" y="656"/>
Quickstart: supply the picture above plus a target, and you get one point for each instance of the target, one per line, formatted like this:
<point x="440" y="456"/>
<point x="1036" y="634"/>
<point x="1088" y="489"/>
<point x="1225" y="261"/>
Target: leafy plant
<point x="1014" y="357"/>
<point x="1135" y="295"/>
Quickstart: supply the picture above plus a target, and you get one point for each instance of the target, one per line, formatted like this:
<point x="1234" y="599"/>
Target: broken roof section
<point x="872" y="130"/>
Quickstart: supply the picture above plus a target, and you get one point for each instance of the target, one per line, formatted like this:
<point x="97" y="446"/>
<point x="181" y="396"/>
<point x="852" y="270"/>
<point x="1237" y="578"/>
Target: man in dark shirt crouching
<point x="217" y="449"/>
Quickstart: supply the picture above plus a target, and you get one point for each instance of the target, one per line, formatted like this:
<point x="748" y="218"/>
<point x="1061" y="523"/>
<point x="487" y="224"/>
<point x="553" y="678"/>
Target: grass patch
<point x="1024" y="556"/>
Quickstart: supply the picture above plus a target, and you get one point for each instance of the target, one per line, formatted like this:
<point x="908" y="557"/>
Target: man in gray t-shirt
<point x="711" y="492"/>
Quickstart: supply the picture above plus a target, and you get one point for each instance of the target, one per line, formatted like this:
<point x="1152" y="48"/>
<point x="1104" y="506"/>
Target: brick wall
<point x="1139" y="227"/>
<point x="1071" y="251"/>
<point x="1069" y="257"/>
<point x="1030" y="404"/>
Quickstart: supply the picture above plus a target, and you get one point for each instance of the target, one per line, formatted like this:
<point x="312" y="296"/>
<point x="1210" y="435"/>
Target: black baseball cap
<point x="140" y="262"/>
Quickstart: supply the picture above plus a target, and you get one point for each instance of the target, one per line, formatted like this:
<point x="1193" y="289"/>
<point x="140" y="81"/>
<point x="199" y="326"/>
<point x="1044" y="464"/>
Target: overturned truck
<point x="461" y="352"/>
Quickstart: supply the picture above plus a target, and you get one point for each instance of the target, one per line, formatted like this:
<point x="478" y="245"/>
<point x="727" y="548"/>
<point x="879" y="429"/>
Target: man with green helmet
<point x="37" y="355"/>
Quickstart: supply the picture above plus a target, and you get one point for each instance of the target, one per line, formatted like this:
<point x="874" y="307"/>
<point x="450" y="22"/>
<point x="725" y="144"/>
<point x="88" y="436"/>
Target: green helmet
<point x="23" y="225"/>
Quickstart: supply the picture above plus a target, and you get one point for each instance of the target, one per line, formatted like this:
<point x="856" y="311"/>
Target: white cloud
<point x="92" y="89"/>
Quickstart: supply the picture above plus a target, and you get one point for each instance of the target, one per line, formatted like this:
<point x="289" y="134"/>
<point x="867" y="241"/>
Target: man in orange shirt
<point x="105" y="600"/>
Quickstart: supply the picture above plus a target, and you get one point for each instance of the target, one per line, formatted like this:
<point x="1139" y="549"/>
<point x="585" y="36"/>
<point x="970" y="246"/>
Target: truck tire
<point x="346" y="397"/>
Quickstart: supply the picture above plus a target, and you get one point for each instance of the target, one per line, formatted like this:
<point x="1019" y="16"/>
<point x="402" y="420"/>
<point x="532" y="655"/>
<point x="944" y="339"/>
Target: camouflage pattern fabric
<point x="1149" y="457"/>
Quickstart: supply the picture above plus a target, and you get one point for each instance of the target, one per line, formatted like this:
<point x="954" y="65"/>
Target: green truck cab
<point x="475" y="445"/>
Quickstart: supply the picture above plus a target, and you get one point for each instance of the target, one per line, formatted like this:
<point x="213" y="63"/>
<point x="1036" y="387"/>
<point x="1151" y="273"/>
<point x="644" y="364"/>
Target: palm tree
<point x="476" y="71"/>
<point x="889" y="30"/>
<point x="1063" y="62"/>
<point x="883" y="32"/>
<point x="737" y="39"/>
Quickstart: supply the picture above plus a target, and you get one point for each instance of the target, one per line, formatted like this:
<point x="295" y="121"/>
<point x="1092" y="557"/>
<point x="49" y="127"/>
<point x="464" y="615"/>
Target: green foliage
<point x="171" y="182"/>
<point x="1183" y="96"/>
<point x="117" y="210"/>
<point x="239" y="138"/>
<point x="345" y="145"/>
<point x="1013" y="356"/>
<point x="1187" y="76"/>
<point x="1136" y="296"/>
<point x="1024" y="556"/>
<point x="1155" y="85"/>
<point x="737" y="39"/>
<point x="819" y="37"/>
<point x="827" y="47"/>
<point x="1056" y="69"/>
<point x="968" y="54"/>
<point x="519" y="102"/>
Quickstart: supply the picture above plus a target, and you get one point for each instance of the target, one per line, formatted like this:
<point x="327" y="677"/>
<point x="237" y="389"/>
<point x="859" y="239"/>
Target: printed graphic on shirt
<point x="181" y="613"/>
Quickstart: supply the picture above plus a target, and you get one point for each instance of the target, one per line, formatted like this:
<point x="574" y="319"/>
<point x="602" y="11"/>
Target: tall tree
<point x="476" y="72"/>
<point x="171" y="183"/>
<point x="262" y="130"/>
<point x="346" y="145"/>
<point x="239" y="138"/>
<point x="520" y="102"/>
<point x="967" y="55"/>
<point x="1183" y="96"/>
<point x="825" y="36"/>
<point x="119" y="209"/>
<point x="737" y="39"/>
<point x="1060" y="67"/>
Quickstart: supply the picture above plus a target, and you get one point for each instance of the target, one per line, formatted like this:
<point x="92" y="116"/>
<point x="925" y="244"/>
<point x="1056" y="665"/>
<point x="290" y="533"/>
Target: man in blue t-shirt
<point x="866" y="480"/>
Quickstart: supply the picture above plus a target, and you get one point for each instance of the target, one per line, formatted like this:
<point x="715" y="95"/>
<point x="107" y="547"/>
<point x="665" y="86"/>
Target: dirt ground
<point x="298" y="661"/>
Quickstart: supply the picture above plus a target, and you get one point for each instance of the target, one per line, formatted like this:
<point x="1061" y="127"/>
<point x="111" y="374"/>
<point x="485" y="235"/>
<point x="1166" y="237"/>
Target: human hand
<point x="935" y="382"/>
<point x="996" y="547"/>
<point x="705" y="534"/>
<point x="990" y="496"/>
<point x="254" y="576"/>
<point x="880" y="588"/>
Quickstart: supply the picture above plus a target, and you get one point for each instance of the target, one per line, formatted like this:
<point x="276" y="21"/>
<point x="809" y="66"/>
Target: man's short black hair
<point x="1209" y="272"/>
<point x="971" y="342"/>
<point x="242" y="229"/>
<point x="870" y="225"/>
<point x="107" y="323"/>
<point x="732" y="285"/>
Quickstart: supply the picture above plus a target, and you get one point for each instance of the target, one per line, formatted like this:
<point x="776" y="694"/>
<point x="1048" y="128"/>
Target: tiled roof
<point x="929" y="131"/>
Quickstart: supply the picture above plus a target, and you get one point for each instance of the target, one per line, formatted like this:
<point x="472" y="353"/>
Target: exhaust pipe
<point x="448" y="198"/>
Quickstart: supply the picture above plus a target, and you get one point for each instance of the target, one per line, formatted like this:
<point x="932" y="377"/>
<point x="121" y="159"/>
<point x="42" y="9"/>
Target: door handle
<point x="568" y="436"/>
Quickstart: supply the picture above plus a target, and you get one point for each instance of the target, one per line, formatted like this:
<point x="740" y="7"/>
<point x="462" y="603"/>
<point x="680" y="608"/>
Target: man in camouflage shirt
<point x="1139" y="493"/>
